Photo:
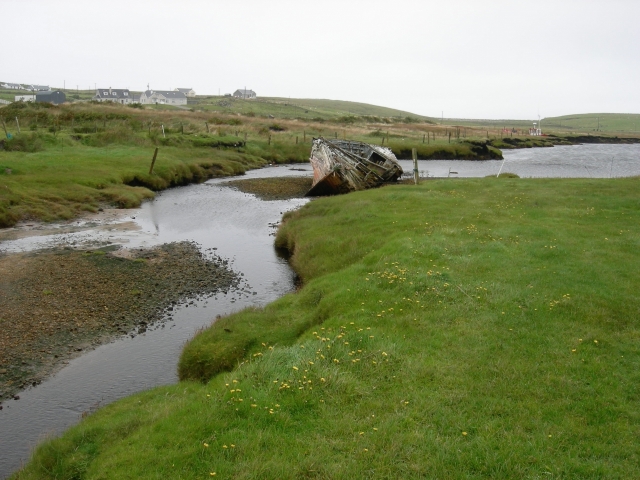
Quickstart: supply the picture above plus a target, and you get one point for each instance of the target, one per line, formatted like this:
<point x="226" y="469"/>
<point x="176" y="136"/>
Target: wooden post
<point x="304" y="136"/>
<point x="296" y="139"/>
<point x="449" y="137"/>
<point x="429" y="138"/>
<point x="416" y="175"/>
<point x="245" y="138"/>
<point x="423" y="138"/>
<point x="163" y="135"/>
<point x="206" y="124"/>
<point x="153" y="161"/>
<point x="5" y="129"/>
<point x="18" y="124"/>
<point x="269" y="139"/>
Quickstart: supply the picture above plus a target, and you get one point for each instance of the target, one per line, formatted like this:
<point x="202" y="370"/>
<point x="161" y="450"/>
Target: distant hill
<point x="341" y="107"/>
<point x="303" y="108"/>
<point x="603" y="122"/>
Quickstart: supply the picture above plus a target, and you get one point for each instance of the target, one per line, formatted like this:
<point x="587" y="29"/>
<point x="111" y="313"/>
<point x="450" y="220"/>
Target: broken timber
<point x="342" y="166"/>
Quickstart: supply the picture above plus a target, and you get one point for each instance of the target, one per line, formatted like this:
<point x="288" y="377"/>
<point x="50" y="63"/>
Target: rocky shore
<point x="56" y="304"/>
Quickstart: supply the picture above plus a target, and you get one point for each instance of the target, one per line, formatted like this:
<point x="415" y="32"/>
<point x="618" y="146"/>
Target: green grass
<point x="478" y="328"/>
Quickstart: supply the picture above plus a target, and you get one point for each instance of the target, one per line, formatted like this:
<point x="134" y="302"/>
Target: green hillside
<point x="603" y="122"/>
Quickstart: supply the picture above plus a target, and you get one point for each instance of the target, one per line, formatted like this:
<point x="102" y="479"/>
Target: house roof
<point x="165" y="93"/>
<point x="245" y="92"/>
<point x="116" y="93"/>
<point x="184" y="90"/>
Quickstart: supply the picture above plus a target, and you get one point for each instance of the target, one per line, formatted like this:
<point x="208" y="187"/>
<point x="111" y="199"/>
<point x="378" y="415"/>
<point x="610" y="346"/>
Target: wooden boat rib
<point x="342" y="166"/>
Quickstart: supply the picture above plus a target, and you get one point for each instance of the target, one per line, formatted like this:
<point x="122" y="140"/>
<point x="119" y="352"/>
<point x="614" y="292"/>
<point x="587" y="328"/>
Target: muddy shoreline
<point x="56" y="304"/>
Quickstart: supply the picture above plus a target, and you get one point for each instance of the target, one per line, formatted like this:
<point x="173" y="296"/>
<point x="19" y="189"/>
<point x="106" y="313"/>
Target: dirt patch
<point x="55" y="304"/>
<point x="281" y="188"/>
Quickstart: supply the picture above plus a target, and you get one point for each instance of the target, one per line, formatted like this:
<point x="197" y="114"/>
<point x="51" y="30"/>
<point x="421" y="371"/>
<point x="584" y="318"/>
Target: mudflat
<point x="55" y="304"/>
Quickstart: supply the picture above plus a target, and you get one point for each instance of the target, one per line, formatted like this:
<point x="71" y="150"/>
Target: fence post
<point x="5" y="129"/>
<point x="269" y="140"/>
<point x="296" y="139"/>
<point x="163" y="135"/>
<point x="18" y="124"/>
<point x="153" y="161"/>
<point x="206" y="124"/>
<point x="416" y="175"/>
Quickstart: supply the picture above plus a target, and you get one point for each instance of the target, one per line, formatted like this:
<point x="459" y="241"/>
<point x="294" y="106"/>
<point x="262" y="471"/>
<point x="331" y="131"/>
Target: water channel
<point x="241" y="228"/>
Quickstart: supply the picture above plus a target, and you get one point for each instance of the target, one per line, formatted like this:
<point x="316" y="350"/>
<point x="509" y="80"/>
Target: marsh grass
<point x="485" y="328"/>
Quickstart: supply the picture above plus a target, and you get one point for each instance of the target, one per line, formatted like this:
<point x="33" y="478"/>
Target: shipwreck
<point x="343" y="166"/>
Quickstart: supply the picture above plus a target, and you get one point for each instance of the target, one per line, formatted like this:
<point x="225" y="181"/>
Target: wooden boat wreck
<point x="342" y="166"/>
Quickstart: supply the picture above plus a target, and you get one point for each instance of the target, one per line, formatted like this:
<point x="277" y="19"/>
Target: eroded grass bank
<point x="482" y="329"/>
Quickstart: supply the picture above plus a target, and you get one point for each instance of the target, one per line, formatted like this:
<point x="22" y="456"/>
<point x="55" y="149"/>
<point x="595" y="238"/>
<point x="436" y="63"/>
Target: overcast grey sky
<point x="468" y="58"/>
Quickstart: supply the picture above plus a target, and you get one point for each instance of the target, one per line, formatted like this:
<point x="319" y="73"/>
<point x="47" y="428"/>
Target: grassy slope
<point x="608" y="122"/>
<point x="481" y="328"/>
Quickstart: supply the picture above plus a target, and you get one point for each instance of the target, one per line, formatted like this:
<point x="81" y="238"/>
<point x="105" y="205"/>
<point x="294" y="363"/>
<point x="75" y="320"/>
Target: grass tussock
<point x="486" y="329"/>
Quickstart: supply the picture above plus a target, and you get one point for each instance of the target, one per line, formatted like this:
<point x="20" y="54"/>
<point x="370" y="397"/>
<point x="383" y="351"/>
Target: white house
<point x="12" y="86"/>
<point x="163" y="97"/>
<point x="189" y="92"/>
<point x="37" y="88"/>
<point x="25" y="98"/>
<point x="244" y="93"/>
<point x="117" y="95"/>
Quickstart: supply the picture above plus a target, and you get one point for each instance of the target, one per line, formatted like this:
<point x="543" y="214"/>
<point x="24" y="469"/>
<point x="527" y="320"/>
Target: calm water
<point x="241" y="227"/>
<point x="576" y="161"/>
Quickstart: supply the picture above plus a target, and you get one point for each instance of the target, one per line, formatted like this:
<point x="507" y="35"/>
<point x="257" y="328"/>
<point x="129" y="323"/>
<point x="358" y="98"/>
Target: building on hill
<point x="189" y="92"/>
<point x="163" y="97"/>
<point x="117" y="95"/>
<point x="11" y="86"/>
<point x="37" y="88"/>
<point x="53" y="96"/>
<point x="244" y="93"/>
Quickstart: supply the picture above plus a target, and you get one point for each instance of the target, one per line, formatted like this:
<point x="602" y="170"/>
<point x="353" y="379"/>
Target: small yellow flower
<point x="464" y="434"/>
<point x="233" y="446"/>
<point x="213" y="474"/>
<point x="206" y="445"/>
<point x="295" y="368"/>
<point x="224" y="446"/>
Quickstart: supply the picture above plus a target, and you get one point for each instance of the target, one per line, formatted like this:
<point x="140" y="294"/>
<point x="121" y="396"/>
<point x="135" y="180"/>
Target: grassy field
<point x="479" y="328"/>
<point x="66" y="159"/>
